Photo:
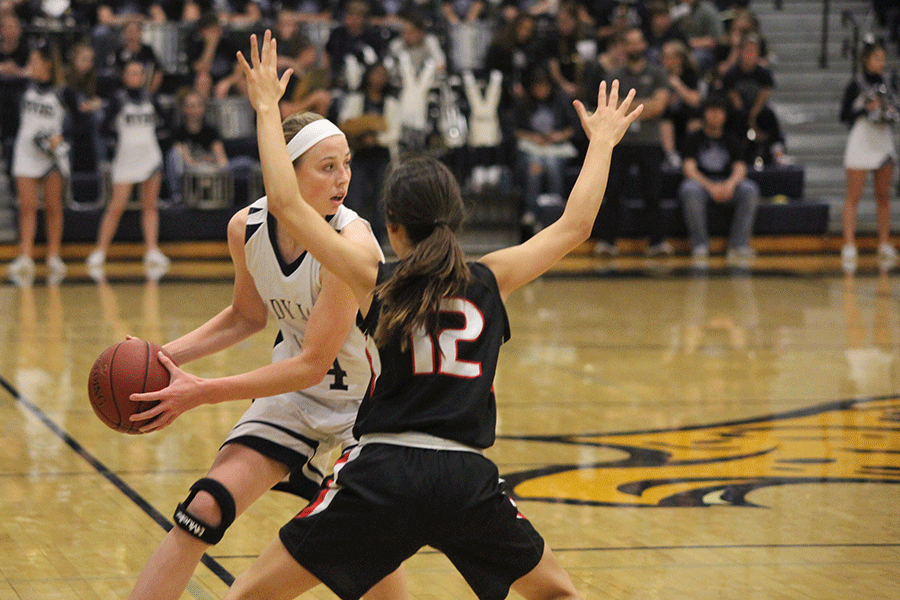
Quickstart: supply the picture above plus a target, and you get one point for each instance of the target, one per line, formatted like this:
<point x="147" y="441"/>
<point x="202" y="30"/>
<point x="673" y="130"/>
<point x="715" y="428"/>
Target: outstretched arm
<point x="517" y="265"/>
<point x="357" y="265"/>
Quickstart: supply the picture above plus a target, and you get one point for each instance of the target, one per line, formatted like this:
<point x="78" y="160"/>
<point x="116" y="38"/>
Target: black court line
<point x="211" y="563"/>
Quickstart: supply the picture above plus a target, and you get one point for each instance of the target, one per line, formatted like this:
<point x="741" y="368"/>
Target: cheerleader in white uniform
<point x="869" y="107"/>
<point x="132" y="119"/>
<point x="286" y="437"/>
<point x="40" y="162"/>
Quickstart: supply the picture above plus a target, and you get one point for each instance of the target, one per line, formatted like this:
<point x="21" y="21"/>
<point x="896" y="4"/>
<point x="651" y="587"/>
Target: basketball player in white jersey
<point x="40" y="161"/>
<point x="132" y="119"/>
<point x="286" y="438"/>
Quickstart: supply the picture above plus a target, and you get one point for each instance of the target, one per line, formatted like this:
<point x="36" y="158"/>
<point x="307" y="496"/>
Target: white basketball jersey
<point x="290" y="291"/>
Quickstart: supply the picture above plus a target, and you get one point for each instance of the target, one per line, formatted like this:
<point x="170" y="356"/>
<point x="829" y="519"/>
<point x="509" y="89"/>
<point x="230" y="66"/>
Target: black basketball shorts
<point x="385" y="502"/>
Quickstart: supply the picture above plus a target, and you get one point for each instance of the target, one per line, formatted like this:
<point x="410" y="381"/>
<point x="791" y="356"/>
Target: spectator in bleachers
<point x="355" y="36"/>
<point x="563" y="51"/>
<point x="683" y="113"/>
<point x="748" y="86"/>
<point x="701" y="23"/>
<point x="40" y="163"/>
<point x="130" y="122"/>
<point x="611" y="17"/>
<point x="370" y="117"/>
<point x="197" y="144"/>
<point x="81" y="79"/>
<point x="210" y="54"/>
<point x="512" y="52"/>
<point x="133" y="48"/>
<point x="305" y="11"/>
<point x="545" y="126"/>
<point x="715" y="171"/>
<point x="869" y="108"/>
<point x="640" y="147"/>
<point x="728" y="50"/>
<point x="611" y="59"/>
<point x="240" y="13"/>
<point x="14" y="56"/>
<point x="420" y="44"/>
<point x="660" y="29"/>
<point x="463" y="11"/>
<point x="115" y="15"/>
<point x="309" y="88"/>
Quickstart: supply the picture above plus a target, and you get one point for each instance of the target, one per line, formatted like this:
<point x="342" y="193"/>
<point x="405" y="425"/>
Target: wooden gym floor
<point x="673" y="431"/>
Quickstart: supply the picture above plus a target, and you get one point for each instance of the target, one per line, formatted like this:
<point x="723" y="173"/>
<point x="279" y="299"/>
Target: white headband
<point x="310" y="135"/>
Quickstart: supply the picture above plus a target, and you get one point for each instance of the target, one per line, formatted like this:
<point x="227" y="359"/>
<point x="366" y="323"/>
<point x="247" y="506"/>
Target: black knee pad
<point x="196" y="527"/>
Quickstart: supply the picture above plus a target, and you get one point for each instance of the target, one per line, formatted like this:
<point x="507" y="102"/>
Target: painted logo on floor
<point x="854" y="441"/>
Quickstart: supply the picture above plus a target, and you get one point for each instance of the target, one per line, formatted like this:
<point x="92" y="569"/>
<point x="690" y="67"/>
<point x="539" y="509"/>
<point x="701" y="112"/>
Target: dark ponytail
<point x="423" y="196"/>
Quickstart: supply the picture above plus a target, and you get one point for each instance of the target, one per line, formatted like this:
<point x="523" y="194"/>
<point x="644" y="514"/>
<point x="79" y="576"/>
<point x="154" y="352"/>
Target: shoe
<point x="21" y="270"/>
<point x="56" y="270"/>
<point x="741" y="254"/>
<point x="700" y="252"/>
<point x="886" y="252"/>
<point x="154" y="259"/>
<point x="603" y="248"/>
<point x="663" y="248"/>
<point x="96" y="259"/>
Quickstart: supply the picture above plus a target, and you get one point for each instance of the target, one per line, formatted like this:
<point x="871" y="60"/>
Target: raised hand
<point x="611" y="119"/>
<point x="264" y="87"/>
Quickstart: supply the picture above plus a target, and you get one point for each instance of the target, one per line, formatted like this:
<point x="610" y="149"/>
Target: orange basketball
<point x="125" y="368"/>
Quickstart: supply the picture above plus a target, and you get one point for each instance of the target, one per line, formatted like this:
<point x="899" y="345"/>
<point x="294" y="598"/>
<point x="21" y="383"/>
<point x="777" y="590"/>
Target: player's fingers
<point x="601" y="94"/>
<point x="266" y="47"/>
<point x="254" y="50"/>
<point x="243" y="63"/>
<point x="614" y="94"/>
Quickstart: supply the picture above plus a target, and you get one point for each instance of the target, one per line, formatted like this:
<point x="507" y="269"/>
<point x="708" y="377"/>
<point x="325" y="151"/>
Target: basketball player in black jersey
<point x="418" y="476"/>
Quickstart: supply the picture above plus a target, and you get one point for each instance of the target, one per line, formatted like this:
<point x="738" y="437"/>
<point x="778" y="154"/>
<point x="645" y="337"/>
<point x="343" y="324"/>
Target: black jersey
<point x="444" y="386"/>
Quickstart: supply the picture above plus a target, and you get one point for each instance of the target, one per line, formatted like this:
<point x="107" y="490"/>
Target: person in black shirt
<point x="714" y="170"/>
<point x="418" y="475"/>
<point x="196" y="144"/>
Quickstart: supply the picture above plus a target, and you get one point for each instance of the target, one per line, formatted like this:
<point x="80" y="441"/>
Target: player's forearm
<point x="222" y="331"/>
<point x="270" y="380"/>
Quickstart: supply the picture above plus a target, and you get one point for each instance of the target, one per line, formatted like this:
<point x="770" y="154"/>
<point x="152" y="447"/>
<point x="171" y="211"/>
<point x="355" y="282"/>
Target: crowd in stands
<point x="487" y="84"/>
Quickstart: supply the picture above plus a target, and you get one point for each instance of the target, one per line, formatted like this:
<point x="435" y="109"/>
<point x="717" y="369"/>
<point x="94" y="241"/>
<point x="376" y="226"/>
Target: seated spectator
<point x="356" y="36"/>
<point x="309" y="86"/>
<point x="748" y="86"/>
<point x="683" y="112"/>
<point x="210" y="55"/>
<point x="545" y="125"/>
<point x="728" y="50"/>
<point x="700" y="22"/>
<point x="196" y="144"/>
<point x="715" y="170"/>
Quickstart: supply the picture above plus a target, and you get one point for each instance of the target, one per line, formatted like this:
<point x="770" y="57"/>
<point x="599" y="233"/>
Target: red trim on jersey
<point x="315" y="503"/>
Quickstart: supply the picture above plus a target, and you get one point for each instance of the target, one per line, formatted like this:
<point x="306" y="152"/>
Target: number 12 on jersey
<point x="449" y="362"/>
